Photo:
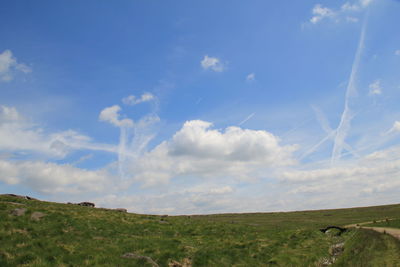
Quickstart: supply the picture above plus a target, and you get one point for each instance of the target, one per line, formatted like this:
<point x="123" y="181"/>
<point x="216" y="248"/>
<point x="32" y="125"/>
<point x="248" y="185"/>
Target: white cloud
<point x="320" y="13"/>
<point x="352" y="19"/>
<point x="51" y="178"/>
<point x="9" y="65"/>
<point x="346" y="12"/>
<point x="196" y="149"/>
<point x="212" y="63"/>
<point x="221" y="190"/>
<point x="397" y="52"/>
<point x="375" y="88"/>
<point x="362" y="182"/>
<point x="350" y="7"/>
<point x="395" y="128"/>
<point x="356" y="6"/>
<point x="132" y="100"/>
<point x="111" y="115"/>
<point x="9" y="114"/>
<point x="17" y="134"/>
<point x="366" y="3"/>
<point x="251" y="77"/>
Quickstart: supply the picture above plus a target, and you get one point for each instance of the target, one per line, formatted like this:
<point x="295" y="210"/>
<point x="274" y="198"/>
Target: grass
<point x="390" y="223"/>
<point x="71" y="235"/>
<point x="370" y="248"/>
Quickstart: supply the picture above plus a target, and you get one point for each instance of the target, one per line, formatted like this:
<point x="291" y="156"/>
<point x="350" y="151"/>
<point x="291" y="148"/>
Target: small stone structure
<point x="341" y="229"/>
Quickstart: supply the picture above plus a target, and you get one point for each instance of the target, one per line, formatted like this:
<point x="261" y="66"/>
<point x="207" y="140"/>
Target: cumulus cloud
<point x="197" y="149"/>
<point x="9" y="66"/>
<point x="212" y="63"/>
<point x="375" y="88"/>
<point x="111" y="115"/>
<point x="132" y="100"/>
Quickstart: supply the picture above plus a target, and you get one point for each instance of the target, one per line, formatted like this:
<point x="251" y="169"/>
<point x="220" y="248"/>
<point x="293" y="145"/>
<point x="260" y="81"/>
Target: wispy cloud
<point x="375" y="88"/>
<point x="246" y="119"/>
<point x="212" y="63"/>
<point x="9" y="66"/>
<point x="331" y="133"/>
<point x="111" y="115"/>
<point x="397" y="52"/>
<point x="251" y="77"/>
<point x="347" y="12"/>
<point x="132" y="139"/>
<point x="351" y="91"/>
<point x="133" y="100"/>
<point x="395" y="128"/>
<point x="319" y="13"/>
<point x="18" y="134"/>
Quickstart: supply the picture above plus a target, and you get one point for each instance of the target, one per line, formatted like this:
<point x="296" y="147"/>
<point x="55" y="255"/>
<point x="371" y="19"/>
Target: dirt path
<point x="391" y="231"/>
<point x="357" y="225"/>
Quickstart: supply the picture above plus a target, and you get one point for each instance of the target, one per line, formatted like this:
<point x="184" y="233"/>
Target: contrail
<point x="122" y="150"/>
<point x="323" y="121"/>
<point x="248" y="118"/>
<point x="351" y="91"/>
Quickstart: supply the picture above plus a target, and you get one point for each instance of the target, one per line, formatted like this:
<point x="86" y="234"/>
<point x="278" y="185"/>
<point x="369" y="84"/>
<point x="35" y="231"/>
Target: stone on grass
<point x="185" y="263"/>
<point x="131" y="255"/>
<point x="18" y="212"/>
<point x="37" y="215"/>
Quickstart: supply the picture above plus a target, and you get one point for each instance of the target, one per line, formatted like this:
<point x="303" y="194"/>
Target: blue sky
<point x="181" y="107"/>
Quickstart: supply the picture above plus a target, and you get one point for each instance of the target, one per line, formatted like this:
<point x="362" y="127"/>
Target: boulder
<point x="19" y="196"/>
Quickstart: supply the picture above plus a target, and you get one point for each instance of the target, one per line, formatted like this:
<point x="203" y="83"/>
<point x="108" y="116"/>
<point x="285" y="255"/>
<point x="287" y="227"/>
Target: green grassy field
<point x="71" y="235"/>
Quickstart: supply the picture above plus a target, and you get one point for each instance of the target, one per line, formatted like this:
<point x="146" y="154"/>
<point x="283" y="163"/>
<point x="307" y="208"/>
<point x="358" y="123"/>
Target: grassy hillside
<point x="71" y="235"/>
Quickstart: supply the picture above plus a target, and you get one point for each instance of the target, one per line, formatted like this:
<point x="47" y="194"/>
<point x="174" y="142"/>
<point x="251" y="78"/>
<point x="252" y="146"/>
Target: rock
<point x="86" y="204"/>
<point x="121" y="210"/>
<point x="19" y="196"/>
<point x="185" y="263"/>
<point x="36" y="216"/>
<point x="13" y="203"/>
<point x="336" y="249"/>
<point x="130" y="255"/>
<point x="174" y="264"/>
<point x="18" y="212"/>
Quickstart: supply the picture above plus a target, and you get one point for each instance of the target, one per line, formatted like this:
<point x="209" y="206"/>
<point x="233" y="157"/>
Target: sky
<point x="199" y="107"/>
